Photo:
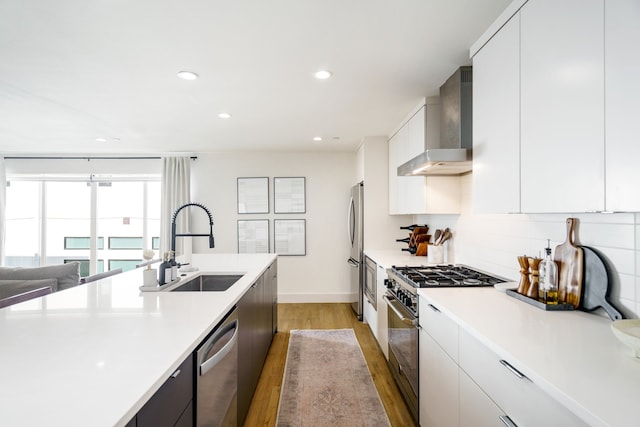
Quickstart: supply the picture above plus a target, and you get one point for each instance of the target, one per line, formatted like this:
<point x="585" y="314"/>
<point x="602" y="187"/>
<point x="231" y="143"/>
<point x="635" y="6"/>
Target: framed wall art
<point x="253" y="236"/>
<point x="290" y="236"/>
<point x="253" y="195"/>
<point x="289" y="195"/>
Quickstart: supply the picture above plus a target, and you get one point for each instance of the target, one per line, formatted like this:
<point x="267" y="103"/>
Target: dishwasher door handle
<point x="211" y="362"/>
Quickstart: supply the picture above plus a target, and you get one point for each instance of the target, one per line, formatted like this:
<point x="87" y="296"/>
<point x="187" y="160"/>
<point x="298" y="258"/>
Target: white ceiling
<point x="72" y="71"/>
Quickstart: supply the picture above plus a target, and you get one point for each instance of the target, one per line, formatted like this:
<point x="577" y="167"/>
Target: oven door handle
<point x="403" y="319"/>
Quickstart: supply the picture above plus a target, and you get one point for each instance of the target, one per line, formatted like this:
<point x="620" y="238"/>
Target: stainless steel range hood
<point x="452" y="154"/>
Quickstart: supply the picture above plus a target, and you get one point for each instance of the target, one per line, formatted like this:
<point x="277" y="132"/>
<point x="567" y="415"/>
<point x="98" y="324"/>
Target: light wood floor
<point x="264" y="407"/>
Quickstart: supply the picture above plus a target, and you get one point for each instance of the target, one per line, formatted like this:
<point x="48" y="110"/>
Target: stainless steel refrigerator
<point x="356" y="240"/>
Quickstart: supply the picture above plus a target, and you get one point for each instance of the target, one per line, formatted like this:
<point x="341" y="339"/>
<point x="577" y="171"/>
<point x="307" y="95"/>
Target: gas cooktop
<point x="443" y="276"/>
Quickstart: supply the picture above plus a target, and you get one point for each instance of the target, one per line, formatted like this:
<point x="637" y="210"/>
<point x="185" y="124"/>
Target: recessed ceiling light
<point x="322" y="74"/>
<point x="317" y="138"/>
<point x="101" y="139"/>
<point x="187" y="75"/>
<point x="224" y="115"/>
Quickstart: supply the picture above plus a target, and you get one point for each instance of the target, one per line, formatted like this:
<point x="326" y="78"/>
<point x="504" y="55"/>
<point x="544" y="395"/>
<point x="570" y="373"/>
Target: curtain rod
<point x="87" y="158"/>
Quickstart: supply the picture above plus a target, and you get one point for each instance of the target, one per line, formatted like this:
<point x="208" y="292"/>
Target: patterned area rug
<point x="327" y="382"/>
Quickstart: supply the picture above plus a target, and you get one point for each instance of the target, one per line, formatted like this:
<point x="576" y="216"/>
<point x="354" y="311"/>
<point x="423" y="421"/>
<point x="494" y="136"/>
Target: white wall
<point x="380" y="229"/>
<point x="321" y="275"/>
<point x="492" y="242"/>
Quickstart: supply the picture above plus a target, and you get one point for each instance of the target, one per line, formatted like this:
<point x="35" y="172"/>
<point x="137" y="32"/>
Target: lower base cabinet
<point x="438" y="384"/>
<point x="255" y="332"/>
<point x="172" y="404"/>
<point x="476" y="409"/>
<point x="464" y="383"/>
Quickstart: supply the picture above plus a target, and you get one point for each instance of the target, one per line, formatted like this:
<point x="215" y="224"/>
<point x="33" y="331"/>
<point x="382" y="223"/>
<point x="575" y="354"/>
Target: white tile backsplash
<point x="492" y="243"/>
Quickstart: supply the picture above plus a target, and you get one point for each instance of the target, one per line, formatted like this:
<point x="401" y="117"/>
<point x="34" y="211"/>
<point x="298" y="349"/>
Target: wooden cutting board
<point x="570" y="260"/>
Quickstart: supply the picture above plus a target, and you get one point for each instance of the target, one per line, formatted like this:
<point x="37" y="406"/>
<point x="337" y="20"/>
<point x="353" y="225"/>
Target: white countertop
<point x="573" y="356"/>
<point x="94" y="354"/>
<point x="390" y="257"/>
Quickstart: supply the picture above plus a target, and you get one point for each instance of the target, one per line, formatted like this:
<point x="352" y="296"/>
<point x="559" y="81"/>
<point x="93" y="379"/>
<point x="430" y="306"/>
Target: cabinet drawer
<point x="522" y="400"/>
<point x="476" y="408"/>
<point x="169" y="403"/>
<point x="441" y="328"/>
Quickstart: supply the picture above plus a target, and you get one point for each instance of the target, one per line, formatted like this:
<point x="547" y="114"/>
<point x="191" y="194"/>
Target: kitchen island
<point x="95" y="354"/>
<point x="572" y="356"/>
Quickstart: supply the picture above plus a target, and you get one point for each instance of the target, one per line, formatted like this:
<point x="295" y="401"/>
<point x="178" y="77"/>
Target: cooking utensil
<point x="595" y="290"/>
<point x="436" y="236"/>
<point x="570" y="259"/>
<point x="446" y="235"/>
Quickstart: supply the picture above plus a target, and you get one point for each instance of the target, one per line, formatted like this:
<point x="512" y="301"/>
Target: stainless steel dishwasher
<point x="217" y="375"/>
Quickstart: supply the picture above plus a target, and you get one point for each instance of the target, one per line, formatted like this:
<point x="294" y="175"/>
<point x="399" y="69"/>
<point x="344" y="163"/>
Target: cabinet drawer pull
<point x="507" y="421"/>
<point x="512" y="369"/>
<point x="175" y="374"/>
<point x="434" y="308"/>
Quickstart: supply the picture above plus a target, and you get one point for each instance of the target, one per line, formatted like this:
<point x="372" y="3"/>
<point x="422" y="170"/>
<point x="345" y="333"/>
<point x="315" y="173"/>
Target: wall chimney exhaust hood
<point x="452" y="155"/>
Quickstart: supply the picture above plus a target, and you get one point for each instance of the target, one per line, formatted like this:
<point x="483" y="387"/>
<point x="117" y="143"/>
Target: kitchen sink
<point x="209" y="283"/>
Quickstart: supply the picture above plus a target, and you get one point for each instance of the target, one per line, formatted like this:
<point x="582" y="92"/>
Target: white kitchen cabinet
<point x="562" y="104"/>
<point x="438" y="367"/>
<point x="406" y="193"/>
<point x="419" y="194"/>
<point x="476" y="409"/>
<point x="496" y="122"/>
<point x="622" y="91"/>
<point x="505" y="383"/>
<point x="383" y="320"/>
<point x="438" y="384"/>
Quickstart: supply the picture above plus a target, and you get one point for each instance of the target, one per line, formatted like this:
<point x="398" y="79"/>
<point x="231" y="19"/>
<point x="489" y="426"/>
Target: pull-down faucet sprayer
<point x="173" y="226"/>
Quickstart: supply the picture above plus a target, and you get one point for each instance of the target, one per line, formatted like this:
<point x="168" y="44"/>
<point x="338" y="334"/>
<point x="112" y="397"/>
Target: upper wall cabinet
<point x="575" y="115"/>
<point x="562" y="105"/>
<point x="622" y="91"/>
<point x="496" y="122"/>
<point x="419" y="194"/>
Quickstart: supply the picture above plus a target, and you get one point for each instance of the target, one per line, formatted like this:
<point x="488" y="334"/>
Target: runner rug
<point x="327" y="382"/>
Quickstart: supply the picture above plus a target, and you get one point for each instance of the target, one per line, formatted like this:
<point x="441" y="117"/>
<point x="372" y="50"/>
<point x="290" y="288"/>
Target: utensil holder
<point x="150" y="277"/>
<point x="435" y="254"/>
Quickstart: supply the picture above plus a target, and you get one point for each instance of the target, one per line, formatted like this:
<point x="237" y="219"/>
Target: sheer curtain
<point x="175" y="189"/>
<point x="3" y="206"/>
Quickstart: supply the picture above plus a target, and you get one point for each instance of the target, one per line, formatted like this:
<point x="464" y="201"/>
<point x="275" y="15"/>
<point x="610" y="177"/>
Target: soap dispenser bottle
<point x="548" y="278"/>
<point x="165" y="270"/>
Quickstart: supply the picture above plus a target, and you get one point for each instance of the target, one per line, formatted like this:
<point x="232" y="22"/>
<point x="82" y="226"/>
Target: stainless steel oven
<point x="402" y="299"/>
<point x="403" y="345"/>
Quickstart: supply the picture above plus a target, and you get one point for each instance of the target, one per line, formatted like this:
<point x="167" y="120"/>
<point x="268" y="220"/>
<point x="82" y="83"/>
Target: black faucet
<point x="173" y="226"/>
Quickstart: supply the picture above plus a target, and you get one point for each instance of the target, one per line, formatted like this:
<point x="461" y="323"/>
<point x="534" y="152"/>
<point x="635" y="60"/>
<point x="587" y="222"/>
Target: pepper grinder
<point x="534" y="263"/>
<point x="523" y="287"/>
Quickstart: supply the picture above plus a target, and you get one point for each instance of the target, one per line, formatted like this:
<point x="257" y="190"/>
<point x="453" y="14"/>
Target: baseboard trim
<point x="302" y="298"/>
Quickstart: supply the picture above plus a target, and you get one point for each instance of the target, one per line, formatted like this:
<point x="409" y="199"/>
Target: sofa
<point x="21" y="283"/>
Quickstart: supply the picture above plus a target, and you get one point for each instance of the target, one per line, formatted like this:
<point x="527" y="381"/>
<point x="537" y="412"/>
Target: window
<point x="51" y="221"/>
<point x="81" y="242"/>
<point x="125" y="242"/>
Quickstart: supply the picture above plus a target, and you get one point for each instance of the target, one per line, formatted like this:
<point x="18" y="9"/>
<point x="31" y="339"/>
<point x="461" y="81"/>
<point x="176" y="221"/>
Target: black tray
<point x="540" y="305"/>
